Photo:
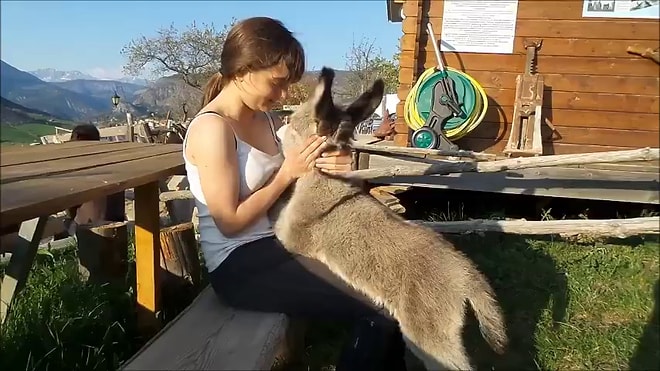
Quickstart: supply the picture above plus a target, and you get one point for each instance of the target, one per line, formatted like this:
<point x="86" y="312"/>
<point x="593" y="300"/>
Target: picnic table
<point x="38" y="181"/>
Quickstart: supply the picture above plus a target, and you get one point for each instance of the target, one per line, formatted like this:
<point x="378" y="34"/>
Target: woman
<point x="236" y="171"/>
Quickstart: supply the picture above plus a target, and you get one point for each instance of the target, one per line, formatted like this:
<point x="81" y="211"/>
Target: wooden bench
<point x="208" y="335"/>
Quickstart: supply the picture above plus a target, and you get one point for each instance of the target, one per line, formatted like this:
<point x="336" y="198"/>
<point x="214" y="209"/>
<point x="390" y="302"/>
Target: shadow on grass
<point x="647" y="353"/>
<point x="526" y="281"/>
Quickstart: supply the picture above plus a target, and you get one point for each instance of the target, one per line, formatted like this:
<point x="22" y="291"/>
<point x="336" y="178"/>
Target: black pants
<point x="263" y="276"/>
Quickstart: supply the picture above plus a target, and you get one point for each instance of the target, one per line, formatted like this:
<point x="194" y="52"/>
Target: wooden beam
<point x="408" y="151"/>
<point x="619" y="228"/>
<point x="147" y="254"/>
<point x="448" y="167"/>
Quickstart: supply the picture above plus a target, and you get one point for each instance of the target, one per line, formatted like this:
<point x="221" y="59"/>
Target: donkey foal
<point x="410" y="270"/>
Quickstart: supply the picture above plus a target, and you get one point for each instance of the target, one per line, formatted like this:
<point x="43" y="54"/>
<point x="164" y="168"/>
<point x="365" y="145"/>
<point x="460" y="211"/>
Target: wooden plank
<point x="613" y="48"/>
<point x="496" y="146"/>
<point x="576" y="118"/>
<point x="44" y="196"/>
<point x="147" y="255"/>
<point x="578" y="100"/>
<point x="416" y="9"/>
<point x="613" y="29"/>
<point x="575" y="135"/>
<point x="208" y="335"/>
<point x="68" y="150"/>
<point x="531" y="10"/>
<point x="63" y="165"/>
<point x="549" y="181"/>
<point x="633" y="66"/>
<point x="19" y="149"/>
<point x="638" y="85"/>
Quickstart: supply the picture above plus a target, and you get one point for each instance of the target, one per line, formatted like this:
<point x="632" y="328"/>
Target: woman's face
<point x="264" y="88"/>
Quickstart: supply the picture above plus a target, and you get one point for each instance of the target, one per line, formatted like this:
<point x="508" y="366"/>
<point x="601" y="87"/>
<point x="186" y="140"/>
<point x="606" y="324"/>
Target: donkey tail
<point x="488" y="312"/>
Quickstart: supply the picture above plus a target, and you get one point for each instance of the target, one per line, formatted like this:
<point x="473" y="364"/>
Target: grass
<point x="567" y="305"/>
<point x="572" y="306"/>
<point x="27" y="133"/>
<point x="59" y="322"/>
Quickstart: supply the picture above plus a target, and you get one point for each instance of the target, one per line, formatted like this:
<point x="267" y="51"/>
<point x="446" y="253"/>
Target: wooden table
<point x="38" y="181"/>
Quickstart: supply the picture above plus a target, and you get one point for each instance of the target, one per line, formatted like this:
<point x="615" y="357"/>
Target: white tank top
<point x="255" y="168"/>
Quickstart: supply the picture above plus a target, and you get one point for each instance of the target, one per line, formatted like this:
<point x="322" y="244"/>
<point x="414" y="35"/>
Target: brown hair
<point x="254" y="44"/>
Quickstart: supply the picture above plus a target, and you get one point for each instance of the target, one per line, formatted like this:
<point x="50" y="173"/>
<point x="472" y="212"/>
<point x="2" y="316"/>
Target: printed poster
<point x="479" y="26"/>
<point x="621" y="9"/>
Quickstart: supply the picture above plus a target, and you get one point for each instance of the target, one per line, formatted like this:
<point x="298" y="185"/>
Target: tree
<point x="193" y="54"/>
<point x="365" y="64"/>
<point x="300" y="91"/>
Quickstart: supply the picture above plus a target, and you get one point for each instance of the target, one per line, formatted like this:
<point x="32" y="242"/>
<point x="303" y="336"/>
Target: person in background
<point x="104" y="209"/>
<point x="236" y="170"/>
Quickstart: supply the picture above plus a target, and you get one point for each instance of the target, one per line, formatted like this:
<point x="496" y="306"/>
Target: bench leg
<point x="22" y="257"/>
<point x="147" y="255"/>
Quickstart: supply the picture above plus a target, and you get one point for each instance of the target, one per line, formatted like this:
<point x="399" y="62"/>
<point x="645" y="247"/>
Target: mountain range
<point x="75" y="96"/>
<point x="79" y="97"/>
<point x="53" y="75"/>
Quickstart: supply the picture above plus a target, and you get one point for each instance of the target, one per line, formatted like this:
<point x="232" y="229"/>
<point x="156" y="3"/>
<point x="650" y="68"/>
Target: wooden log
<point x="407" y="151"/>
<point x="179" y="252"/>
<point x="179" y="204"/>
<point x="176" y="195"/>
<point x="442" y="167"/>
<point x="103" y="252"/>
<point x="619" y="228"/>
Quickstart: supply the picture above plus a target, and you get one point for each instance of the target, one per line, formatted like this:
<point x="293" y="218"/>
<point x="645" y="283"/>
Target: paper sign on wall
<point x="621" y="9"/>
<point x="479" y="26"/>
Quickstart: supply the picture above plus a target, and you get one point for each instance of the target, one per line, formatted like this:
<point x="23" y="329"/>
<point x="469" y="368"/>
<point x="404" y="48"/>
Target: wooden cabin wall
<point x="597" y="96"/>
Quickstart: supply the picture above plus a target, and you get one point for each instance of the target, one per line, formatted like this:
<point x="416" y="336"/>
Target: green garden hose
<point x="471" y="96"/>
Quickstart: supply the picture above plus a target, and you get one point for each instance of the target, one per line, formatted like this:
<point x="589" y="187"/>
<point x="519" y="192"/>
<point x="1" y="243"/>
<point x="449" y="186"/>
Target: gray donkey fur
<point x="409" y="269"/>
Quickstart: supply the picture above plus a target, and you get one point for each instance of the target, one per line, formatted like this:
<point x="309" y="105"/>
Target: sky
<point x="87" y="36"/>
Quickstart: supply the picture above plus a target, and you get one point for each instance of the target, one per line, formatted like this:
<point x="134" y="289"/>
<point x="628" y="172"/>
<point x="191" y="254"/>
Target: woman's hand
<point x="301" y="159"/>
<point x="334" y="162"/>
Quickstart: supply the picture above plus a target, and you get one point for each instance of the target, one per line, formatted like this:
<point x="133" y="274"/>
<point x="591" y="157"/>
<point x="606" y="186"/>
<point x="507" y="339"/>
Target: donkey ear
<point x="367" y="103"/>
<point x="322" y="97"/>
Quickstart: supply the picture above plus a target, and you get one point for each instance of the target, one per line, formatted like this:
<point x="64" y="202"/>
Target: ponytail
<point x="212" y="88"/>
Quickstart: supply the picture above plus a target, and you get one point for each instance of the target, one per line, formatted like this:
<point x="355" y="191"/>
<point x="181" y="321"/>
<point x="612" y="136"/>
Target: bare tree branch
<point x="193" y="54"/>
<point x="365" y="64"/>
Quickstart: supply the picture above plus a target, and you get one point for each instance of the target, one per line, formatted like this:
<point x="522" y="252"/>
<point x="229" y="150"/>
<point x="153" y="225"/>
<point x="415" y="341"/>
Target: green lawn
<point x="568" y="306"/>
<point x="28" y="133"/>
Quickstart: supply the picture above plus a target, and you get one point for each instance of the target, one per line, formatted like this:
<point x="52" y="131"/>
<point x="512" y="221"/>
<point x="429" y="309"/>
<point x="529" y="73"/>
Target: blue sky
<point x="88" y="35"/>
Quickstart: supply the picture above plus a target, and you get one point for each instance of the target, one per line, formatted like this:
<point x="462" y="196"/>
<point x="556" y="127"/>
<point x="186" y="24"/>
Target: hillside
<point x="22" y="125"/>
<point x="13" y="113"/>
<point x="102" y="89"/>
<point x="28" y="133"/>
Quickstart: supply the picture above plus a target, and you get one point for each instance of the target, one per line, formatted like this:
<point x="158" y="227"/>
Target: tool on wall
<point x="525" y="134"/>
<point x="444" y="104"/>
<point x="652" y="54"/>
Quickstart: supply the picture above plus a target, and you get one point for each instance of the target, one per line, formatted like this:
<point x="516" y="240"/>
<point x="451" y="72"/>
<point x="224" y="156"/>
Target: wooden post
<point x="147" y="255"/>
<point x="130" y="130"/>
<point x="16" y="274"/>
<point x="103" y="252"/>
<point x="179" y="252"/>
